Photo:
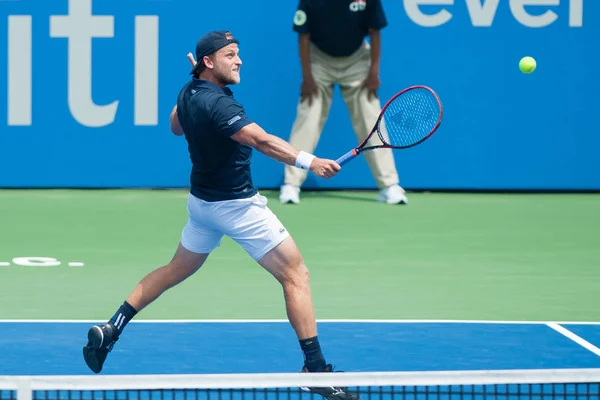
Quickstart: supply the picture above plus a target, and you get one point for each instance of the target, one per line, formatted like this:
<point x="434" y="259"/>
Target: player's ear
<point x="208" y="61"/>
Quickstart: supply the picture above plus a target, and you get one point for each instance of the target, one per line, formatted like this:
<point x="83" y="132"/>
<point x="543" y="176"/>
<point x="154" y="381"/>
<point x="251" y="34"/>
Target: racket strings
<point x="409" y="118"/>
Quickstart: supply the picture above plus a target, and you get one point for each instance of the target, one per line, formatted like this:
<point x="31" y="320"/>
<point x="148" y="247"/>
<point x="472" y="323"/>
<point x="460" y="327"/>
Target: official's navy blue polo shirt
<point x="209" y="116"/>
<point x="338" y="27"/>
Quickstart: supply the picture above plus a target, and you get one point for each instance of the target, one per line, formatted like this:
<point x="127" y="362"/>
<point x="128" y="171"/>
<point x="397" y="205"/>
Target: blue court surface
<point x="182" y="347"/>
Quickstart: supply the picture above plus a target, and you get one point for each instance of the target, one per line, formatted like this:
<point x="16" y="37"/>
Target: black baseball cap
<point x="211" y="42"/>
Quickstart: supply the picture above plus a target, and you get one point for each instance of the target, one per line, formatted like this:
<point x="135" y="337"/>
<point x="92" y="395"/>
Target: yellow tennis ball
<point x="527" y="65"/>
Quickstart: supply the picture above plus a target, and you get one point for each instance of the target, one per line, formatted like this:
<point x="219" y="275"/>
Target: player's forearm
<point x="304" y="49"/>
<point x="175" y="125"/>
<point x="278" y="149"/>
<point x="272" y="146"/>
<point x="375" y="37"/>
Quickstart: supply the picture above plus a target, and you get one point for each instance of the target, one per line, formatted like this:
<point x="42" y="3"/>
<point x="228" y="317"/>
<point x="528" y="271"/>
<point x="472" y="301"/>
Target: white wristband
<point x="304" y="160"/>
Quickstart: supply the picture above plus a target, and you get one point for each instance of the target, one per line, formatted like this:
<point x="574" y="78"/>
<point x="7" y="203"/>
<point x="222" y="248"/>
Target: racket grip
<point x="346" y="157"/>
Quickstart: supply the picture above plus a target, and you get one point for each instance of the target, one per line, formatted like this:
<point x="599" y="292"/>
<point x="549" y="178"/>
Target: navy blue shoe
<point x="101" y="339"/>
<point x="330" y="392"/>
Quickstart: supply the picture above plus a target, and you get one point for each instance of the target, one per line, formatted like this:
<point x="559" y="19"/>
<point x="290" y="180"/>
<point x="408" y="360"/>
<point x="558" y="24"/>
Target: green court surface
<point x="444" y="256"/>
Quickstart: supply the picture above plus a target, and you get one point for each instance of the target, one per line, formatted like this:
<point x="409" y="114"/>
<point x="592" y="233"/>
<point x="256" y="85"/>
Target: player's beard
<point x="227" y="77"/>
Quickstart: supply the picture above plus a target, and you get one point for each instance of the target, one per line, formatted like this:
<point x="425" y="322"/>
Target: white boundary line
<point x="577" y="339"/>
<point x="361" y="321"/>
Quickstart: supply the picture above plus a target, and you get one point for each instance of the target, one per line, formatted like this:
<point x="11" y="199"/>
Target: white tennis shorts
<point x="249" y="222"/>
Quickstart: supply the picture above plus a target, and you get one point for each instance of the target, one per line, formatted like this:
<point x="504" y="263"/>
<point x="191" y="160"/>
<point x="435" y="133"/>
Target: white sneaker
<point x="289" y="194"/>
<point x="392" y="195"/>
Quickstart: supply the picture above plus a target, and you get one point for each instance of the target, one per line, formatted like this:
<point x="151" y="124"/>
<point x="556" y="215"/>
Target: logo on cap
<point x="228" y="35"/>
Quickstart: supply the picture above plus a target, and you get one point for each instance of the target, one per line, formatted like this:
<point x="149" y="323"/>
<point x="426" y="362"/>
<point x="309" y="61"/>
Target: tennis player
<point x="224" y="201"/>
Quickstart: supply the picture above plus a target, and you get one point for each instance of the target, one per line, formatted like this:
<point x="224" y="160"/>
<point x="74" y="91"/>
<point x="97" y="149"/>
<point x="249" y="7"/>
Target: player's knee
<point x="304" y="274"/>
<point x="297" y="277"/>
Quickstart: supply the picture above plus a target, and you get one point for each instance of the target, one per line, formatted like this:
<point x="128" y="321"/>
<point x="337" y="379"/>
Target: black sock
<point x="123" y="315"/>
<point x="313" y="357"/>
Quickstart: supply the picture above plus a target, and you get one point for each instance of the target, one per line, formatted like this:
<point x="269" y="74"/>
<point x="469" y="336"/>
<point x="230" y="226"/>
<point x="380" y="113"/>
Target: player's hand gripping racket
<point x="407" y="119"/>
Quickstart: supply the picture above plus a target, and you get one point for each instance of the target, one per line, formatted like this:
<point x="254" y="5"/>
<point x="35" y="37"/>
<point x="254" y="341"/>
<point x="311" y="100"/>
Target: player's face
<point x="227" y="65"/>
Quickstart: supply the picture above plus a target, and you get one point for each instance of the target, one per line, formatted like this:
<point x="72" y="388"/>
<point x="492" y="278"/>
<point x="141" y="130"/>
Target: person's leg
<point x="197" y="241"/>
<point x="101" y="338"/>
<point x="364" y="112"/>
<point x="308" y="125"/>
<point x="184" y="264"/>
<point x="252" y="225"/>
<point x="305" y="135"/>
<point x="285" y="263"/>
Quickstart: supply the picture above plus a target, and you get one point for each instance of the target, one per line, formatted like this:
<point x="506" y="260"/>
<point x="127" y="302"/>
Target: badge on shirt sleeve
<point x="234" y="119"/>
<point x="299" y="18"/>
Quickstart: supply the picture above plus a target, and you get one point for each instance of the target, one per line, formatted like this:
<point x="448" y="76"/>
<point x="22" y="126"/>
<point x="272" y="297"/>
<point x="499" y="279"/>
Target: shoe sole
<point x="289" y="201"/>
<point x="382" y="200"/>
<point x="90" y="360"/>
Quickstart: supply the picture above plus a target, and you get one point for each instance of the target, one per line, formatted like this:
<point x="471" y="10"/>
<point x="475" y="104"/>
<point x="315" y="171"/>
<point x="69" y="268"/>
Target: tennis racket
<point x="407" y="119"/>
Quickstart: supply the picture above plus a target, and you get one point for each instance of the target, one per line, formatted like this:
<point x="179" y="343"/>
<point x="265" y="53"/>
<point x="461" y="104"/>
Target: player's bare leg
<point x="285" y="263"/>
<point x="101" y="338"/>
<point x="183" y="265"/>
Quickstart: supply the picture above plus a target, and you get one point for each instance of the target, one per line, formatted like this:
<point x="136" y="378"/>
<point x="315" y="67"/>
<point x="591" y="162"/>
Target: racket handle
<point x="346" y="157"/>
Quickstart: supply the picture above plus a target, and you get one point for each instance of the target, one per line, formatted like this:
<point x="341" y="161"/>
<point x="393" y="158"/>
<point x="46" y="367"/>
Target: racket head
<point x="410" y="117"/>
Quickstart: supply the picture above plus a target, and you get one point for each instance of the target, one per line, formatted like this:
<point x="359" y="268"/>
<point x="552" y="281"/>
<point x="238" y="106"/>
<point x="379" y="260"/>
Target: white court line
<point x="580" y="341"/>
<point x="359" y="321"/>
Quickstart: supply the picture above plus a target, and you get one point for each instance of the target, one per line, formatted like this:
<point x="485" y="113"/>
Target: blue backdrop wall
<point x="86" y="88"/>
